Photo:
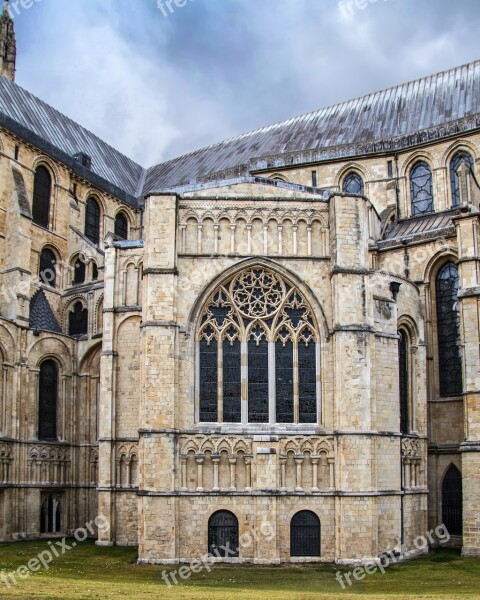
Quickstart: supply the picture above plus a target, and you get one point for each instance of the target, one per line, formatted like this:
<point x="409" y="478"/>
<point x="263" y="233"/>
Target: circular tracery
<point x="257" y="293"/>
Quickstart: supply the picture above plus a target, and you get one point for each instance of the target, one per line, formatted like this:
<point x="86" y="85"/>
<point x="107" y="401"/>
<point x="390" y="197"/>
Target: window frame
<point x="93" y="220"/>
<point x="350" y="175"/>
<point x="272" y="404"/>
<point x="122" y="215"/>
<point x="53" y="401"/>
<point x="47" y="265"/>
<point x="414" y="211"/>
<point x="459" y="155"/>
<point x="41" y="204"/>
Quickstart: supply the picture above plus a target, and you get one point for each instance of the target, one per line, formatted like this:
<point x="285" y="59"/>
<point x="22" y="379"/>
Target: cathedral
<point x="275" y="334"/>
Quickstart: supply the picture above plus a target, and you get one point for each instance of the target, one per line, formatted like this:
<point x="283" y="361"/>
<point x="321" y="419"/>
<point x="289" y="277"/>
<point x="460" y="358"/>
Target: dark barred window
<point x="404" y="380"/>
<point x="421" y="188"/>
<point x="92" y="221"/>
<point x="353" y="184"/>
<point x="42" y="189"/>
<point x="448" y="325"/>
<point x="452" y="501"/>
<point x="47" y="401"/>
<point x="47" y="270"/>
<point x="121" y="226"/>
<point x="79" y="271"/>
<point x="258" y="345"/>
<point x="457" y="160"/>
<point x="78" y="320"/>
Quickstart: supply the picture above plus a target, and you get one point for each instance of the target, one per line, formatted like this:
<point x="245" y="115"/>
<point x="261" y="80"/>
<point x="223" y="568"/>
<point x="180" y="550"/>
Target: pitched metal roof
<point x="401" y="117"/>
<point x="35" y="121"/>
<point x="427" y="109"/>
<point x="419" y="228"/>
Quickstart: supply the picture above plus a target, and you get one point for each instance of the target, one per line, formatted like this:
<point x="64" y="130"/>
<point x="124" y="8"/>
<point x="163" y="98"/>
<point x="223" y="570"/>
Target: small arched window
<point x="448" y="330"/>
<point x="121" y="226"/>
<point x="421" y="188"/>
<point x="452" y="501"/>
<point x="47" y="401"/>
<point x="51" y="515"/>
<point x="47" y="269"/>
<point x="94" y="271"/>
<point x="92" y="221"/>
<point x="78" y="320"/>
<point x="42" y="189"/>
<point x="223" y="538"/>
<point x="79" y="270"/>
<point x="457" y="160"/>
<point x="305" y="535"/>
<point x="404" y="380"/>
<point x="353" y="184"/>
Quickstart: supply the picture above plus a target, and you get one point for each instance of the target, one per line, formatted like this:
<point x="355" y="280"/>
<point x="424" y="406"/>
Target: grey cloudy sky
<point x="156" y="87"/>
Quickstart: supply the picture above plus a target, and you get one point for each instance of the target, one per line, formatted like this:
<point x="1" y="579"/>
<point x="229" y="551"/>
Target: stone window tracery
<point x="421" y="188"/>
<point x="258" y="352"/>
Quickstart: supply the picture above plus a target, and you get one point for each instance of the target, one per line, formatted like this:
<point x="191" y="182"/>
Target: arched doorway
<point x="452" y="498"/>
<point x="305" y="535"/>
<point x="223" y="535"/>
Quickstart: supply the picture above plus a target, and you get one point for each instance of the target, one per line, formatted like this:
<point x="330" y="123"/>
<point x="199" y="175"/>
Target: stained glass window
<point x="42" y="188"/>
<point x="403" y="365"/>
<point x="47" y="401"/>
<point x="353" y="184"/>
<point x="92" y="221"/>
<point x="232" y="382"/>
<point x="455" y="163"/>
<point x="121" y="226"/>
<point x="259" y="315"/>
<point x="47" y="269"/>
<point x="307" y="375"/>
<point x="421" y="188"/>
<point x="448" y="325"/>
<point x="78" y="320"/>
<point x="208" y="380"/>
<point x="284" y="381"/>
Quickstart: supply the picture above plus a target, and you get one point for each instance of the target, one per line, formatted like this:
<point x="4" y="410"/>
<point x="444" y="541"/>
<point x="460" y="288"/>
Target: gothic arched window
<point x="404" y="380"/>
<point x="121" y="226"/>
<point x="223" y="538"/>
<point x="257" y="349"/>
<point x="448" y="328"/>
<point x="92" y="221"/>
<point x="455" y="163"/>
<point x="421" y="188"/>
<point x="452" y="501"/>
<point x="79" y="271"/>
<point x="78" y="320"/>
<point x="51" y="515"/>
<point x="47" y="269"/>
<point x="353" y="184"/>
<point x="47" y="400"/>
<point x="42" y="188"/>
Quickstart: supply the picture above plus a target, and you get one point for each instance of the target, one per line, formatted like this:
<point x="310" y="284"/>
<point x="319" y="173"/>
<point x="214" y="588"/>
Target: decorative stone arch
<point x="458" y="146"/>
<point x="98" y="196"/>
<point x="351" y="167"/>
<point x="279" y="177"/>
<point x="224" y="446"/>
<point x="61" y="354"/>
<point x="289" y="276"/>
<point x="45" y="161"/>
<point x="68" y="308"/>
<point x="410" y="325"/>
<point x="7" y="345"/>
<point x="415" y="157"/>
<point x="442" y="256"/>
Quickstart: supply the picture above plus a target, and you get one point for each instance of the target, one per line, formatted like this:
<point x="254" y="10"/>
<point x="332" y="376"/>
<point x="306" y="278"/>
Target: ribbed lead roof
<point x="424" y="110"/>
<point x="382" y="121"/>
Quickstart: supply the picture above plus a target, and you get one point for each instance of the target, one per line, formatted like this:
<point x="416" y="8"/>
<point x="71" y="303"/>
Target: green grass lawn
<point x="88" y="572"/>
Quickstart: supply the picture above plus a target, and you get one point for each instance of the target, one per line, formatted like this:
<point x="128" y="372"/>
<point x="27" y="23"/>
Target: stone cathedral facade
<point x="280" y="330"/>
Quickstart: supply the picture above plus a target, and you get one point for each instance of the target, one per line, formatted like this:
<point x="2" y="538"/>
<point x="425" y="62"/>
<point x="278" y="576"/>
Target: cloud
<point x="157" y="87"/>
